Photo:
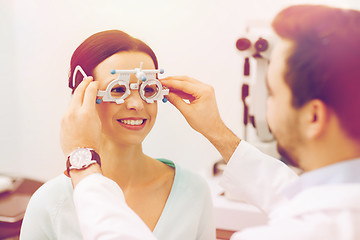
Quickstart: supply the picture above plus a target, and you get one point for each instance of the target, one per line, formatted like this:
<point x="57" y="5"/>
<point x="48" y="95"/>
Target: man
<point x="313" y="111"/>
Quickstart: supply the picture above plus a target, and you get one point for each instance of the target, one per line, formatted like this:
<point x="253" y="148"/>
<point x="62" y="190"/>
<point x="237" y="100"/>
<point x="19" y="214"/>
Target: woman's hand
<point x="81" y="125"/>
<point x="201" y="112"/>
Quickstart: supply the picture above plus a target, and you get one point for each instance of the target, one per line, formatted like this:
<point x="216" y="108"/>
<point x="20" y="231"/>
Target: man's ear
<point x="316" y="117"/>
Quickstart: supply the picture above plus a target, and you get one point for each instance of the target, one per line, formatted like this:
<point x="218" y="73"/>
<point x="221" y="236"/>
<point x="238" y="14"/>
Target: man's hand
<point x="201" y="111"/>
<point x="81" y="125"/>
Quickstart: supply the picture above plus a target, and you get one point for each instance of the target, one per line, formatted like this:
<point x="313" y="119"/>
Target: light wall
<point x="194" y="38"/>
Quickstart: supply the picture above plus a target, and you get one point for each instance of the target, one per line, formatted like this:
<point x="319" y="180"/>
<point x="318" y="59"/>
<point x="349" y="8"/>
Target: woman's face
<point x="130" y="122"/>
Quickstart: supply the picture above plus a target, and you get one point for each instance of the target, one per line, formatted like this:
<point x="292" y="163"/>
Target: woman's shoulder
<point x="53" y="191"/>
<point x="187" y="180"/>
<point x="50" y="211"/>
<point x="58" y="184"/>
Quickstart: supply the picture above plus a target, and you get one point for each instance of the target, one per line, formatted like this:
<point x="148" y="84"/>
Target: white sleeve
<point x="103" y="213"/>
<point x="256" y="177"/>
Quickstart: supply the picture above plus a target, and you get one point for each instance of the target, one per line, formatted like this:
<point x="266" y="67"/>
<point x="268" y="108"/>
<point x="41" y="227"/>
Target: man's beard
<point x="286" y="157"/>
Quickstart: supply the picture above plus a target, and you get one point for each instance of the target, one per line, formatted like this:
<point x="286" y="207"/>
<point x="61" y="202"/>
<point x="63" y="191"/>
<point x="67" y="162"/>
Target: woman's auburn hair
<point x="100" y="46"/>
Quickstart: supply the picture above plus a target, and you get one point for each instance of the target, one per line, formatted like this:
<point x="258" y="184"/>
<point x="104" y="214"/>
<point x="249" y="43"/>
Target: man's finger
<point x="181" y="78"/>
<point x="90" y="96"/>
<point x="78" y="96"/>
<point x="180" y="86"/>
<point x="178" y="102"/>
<point x="182" y="95"/>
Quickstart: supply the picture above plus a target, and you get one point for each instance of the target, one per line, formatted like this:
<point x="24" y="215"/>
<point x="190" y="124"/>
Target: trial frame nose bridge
<point x="134" y="86"/>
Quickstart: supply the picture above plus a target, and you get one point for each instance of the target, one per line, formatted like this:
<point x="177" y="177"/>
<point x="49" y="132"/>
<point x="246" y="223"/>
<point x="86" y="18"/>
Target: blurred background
<point x="190" y="37"/>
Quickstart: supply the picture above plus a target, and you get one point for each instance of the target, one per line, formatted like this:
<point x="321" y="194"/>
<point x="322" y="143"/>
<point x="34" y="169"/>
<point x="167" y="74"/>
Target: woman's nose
<point x="134" y="101"/>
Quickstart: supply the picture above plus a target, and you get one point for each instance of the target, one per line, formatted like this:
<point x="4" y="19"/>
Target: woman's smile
<point x="132" y="123"/>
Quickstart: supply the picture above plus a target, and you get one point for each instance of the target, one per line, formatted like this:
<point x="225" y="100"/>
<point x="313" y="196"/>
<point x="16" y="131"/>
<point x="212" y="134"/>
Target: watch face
<point x="80" y="157"/>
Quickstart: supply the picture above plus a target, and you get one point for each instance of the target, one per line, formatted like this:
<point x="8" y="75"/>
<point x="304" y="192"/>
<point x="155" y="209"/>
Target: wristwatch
<point x="81" y="158"/>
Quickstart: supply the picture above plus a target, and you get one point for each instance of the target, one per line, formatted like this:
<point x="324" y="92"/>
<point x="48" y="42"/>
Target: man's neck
<point x="323" y="153"/>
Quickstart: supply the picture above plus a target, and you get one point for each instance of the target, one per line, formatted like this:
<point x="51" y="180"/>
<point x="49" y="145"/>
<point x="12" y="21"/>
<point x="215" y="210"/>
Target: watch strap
<point x="95" y="157"/>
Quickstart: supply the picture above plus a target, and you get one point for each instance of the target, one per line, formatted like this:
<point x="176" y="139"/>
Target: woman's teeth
<point x="132" y="122"/>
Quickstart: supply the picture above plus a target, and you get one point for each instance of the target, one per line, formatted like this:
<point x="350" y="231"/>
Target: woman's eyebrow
<point x="110" y="79"/>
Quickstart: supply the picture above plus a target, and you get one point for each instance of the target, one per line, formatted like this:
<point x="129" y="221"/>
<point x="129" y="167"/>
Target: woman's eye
<point x="149" y="90"/>
<point x="118" y="90"/>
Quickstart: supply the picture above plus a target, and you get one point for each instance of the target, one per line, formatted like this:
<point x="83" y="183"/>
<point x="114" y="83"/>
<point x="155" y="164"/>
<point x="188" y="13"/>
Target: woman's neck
<point x="127" y="165"/>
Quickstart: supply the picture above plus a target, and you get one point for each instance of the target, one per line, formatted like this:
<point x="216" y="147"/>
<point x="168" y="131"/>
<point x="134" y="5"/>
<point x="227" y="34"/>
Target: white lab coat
<point x="328" y="211"/>
<point x="113" y="222"/>
<point x="322" y="212"/>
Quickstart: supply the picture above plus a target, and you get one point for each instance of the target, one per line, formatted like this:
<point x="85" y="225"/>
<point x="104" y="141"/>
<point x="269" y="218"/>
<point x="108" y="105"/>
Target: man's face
<point x="282" y="117"/>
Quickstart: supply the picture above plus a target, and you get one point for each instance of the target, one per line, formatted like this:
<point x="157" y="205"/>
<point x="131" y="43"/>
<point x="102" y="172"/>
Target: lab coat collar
<point x="321" y="199"/>
<point x="338" y="173"/>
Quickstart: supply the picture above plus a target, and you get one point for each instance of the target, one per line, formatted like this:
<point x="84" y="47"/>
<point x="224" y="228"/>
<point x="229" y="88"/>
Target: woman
<point x="158" y="190"/>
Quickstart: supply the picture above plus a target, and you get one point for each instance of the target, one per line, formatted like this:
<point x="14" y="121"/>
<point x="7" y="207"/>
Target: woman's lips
<point x="132" y="124"/>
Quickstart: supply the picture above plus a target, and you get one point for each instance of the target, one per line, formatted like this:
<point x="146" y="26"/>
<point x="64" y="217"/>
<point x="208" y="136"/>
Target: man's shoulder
<point x="311" y="214"/>
<point x="334" y="199"/>
<point x="310" y="228"/>
<point x="329" y="196"/>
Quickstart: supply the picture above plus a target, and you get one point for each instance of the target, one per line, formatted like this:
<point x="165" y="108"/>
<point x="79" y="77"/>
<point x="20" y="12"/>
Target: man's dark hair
<point x="325" y="61"/>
